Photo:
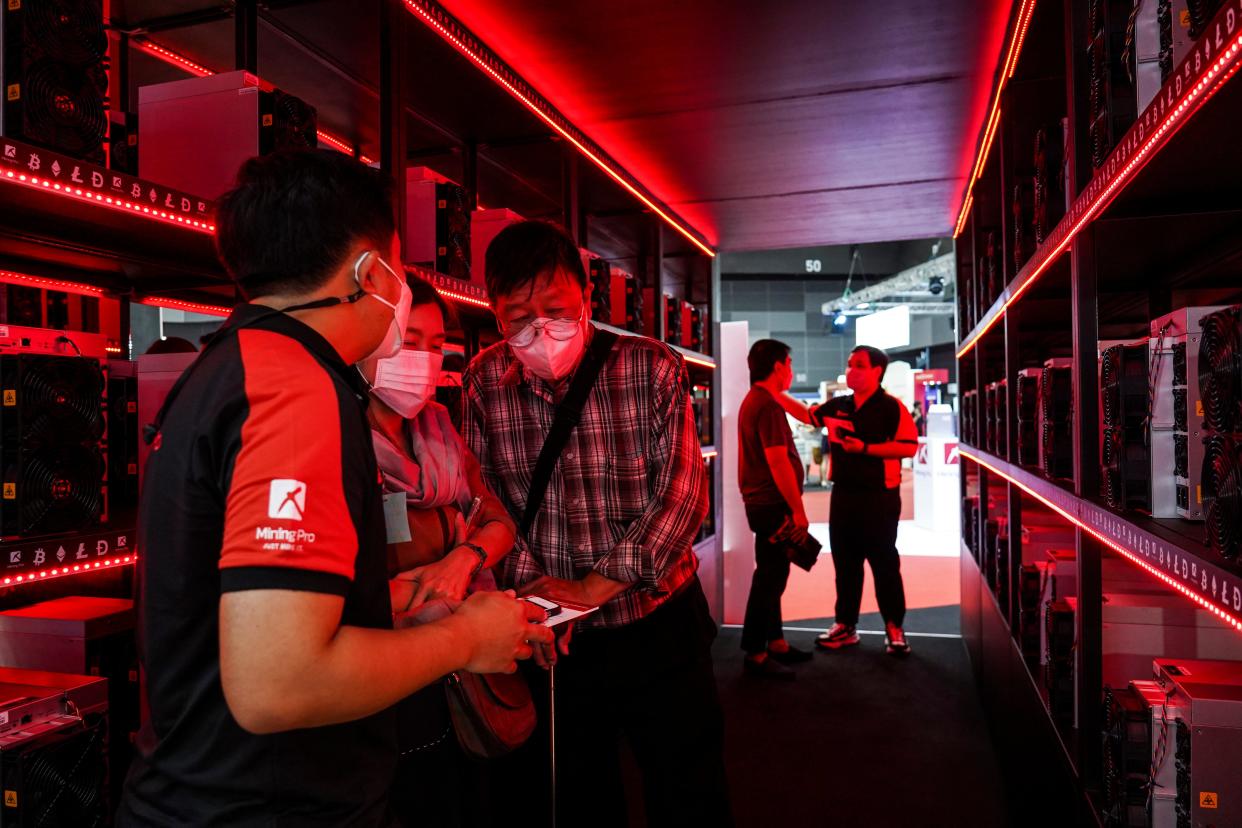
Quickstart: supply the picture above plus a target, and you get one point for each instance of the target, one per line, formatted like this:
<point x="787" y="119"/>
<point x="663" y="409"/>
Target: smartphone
<point x="544" y="604"/>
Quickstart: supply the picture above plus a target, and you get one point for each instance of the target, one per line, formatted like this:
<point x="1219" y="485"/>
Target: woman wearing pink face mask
<point x="422" y="457"/>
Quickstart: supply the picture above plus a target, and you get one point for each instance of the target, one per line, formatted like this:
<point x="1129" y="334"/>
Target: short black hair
<point x="293" y="217"/>
<point x="423" y="293"/>
<point x="525" y="250"/>
<point x="878" y="358"/>
<point x="763" y="358"/>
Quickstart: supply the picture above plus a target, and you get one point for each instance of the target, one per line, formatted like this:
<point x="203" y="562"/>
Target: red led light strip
<point x="1199" y="94"/>
<point x="120" y="204"/>
<point x="1111" y="544"/>
<point x="198" y="70"/>
<point x="525" y="100"/>
<point x="60" y="572"/>
<point x="193" y="307"/>
<point x="961" y="220"/>
<point x="1016" y="39"/>
<point x="463" y="298"/>
<point x="12" y="278"/>
<point x="172" y="58"/>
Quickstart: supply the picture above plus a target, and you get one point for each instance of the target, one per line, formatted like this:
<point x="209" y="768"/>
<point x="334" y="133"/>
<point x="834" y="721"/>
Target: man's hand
<point x="853" y="445"/>
<point x="498" y="631"/>
<point x="800" y="519"/>
<point x="546" y="654"/>
<point x="593" y="591"/>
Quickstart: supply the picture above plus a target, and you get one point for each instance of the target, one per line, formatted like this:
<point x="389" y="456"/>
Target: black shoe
<point x="791" y="656"/>
<point x="769" y="668"/>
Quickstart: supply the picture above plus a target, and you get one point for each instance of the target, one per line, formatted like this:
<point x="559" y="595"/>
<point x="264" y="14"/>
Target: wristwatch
<point x="478" y="550"/>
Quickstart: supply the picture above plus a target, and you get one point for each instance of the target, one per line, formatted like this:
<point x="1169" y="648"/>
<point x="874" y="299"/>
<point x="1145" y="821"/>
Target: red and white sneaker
<point x="897" y="644"/>
<point x="840" y="635"/>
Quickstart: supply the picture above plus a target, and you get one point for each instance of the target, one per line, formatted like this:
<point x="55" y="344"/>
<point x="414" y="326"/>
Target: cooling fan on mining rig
<point x="50" y="430"/>
<point x="65" y="107"/>
<point x="1220" y="371"/>
<point x="296" y="122"/>
<point x="1222" y="494"/>
<point x="68" y="31"/>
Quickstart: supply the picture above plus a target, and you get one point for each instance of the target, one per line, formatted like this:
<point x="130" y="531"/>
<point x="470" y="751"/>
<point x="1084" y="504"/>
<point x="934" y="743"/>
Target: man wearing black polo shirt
<point x="270" y="666"/>
<point x="866" y="498"/>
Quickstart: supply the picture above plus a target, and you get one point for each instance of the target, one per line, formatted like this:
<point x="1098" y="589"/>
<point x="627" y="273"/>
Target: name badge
<point x="396" y="521"/>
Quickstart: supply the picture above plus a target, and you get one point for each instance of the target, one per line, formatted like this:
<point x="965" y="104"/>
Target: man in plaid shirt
<point x="626" y="498"/>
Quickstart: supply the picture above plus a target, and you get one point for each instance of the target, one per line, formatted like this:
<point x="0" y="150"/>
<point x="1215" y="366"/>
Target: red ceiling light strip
<point x="481" y="60"/>
<point x="1111" y="544"/>
<point x="74" y="569"/>
<point x="988" y="135"/>
<point x="1199" y="94"/>
<point x="1016" y="39"/>
<point x="120" y="204"/>
<point x="9" y="277"/>
<point x="961" y="220"/>
<point x="192" y="307"/>
<point x="198" y="70"/>
<point x="1024" y="21"/>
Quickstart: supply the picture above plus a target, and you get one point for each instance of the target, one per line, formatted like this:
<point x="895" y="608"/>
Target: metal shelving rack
<point x="1152" y="228"/>
<point x="398" y="83"/>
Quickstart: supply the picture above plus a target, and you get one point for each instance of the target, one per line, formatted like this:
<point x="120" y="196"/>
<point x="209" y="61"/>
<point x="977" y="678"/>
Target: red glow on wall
<point x="42" y="575"/>
<point x="11" y="278"/>
<point x="1199" y="94"/>
<point x="198" y="70"/>
<point x="101" y="200"/>
<point x="1128" y="554"/>
<point x="479" y="59"/>
<point x="192" y="307"/>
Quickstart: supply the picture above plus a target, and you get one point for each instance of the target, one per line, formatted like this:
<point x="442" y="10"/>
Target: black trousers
<point x="763" y="607"/>
<point x="862" y="526"/>
<point x="650" y="683"/>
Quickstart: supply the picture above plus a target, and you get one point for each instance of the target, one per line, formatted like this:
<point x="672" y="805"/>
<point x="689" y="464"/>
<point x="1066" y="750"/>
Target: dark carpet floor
<point x="860" y="738"/>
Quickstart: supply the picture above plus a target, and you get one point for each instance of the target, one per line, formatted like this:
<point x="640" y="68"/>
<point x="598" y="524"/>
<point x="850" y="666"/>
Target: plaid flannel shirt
<point x="628" y="493"/>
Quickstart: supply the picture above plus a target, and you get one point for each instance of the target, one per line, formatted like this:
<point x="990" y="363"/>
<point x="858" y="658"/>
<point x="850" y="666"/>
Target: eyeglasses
<point x="558" y="329"/>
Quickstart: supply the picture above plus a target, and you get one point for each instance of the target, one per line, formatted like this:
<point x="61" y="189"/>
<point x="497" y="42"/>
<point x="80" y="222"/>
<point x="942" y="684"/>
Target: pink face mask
<point x="550" y="348"/>
<point x="406" y="382"/>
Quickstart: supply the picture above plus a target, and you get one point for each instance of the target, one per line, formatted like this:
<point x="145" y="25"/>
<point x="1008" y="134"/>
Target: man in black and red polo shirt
<point x="866" y="498"/>
<point x="270" y="666"/>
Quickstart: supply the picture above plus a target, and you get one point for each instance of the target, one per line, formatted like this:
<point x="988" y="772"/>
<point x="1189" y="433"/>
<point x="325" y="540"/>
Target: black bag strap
<point x="568" y="412"/>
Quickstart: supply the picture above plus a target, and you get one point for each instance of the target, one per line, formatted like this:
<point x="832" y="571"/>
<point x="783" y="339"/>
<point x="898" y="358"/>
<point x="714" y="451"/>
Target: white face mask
<point x="390" y="345"/>
<point x="550" y="348"/>
<point x="406" y="381"/>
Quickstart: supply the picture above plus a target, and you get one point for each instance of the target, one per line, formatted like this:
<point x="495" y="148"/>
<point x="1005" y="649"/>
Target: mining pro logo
<point x="286" y="500"/>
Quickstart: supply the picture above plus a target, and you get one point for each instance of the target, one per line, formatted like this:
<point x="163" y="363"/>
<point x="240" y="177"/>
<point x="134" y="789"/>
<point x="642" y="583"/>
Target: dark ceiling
<point x="769" y="125"/>
<point x="772" y="125"/>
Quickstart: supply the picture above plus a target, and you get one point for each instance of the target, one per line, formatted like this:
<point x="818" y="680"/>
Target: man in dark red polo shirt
<point x="770" y="476"/>
<point x="270" y="666"/>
